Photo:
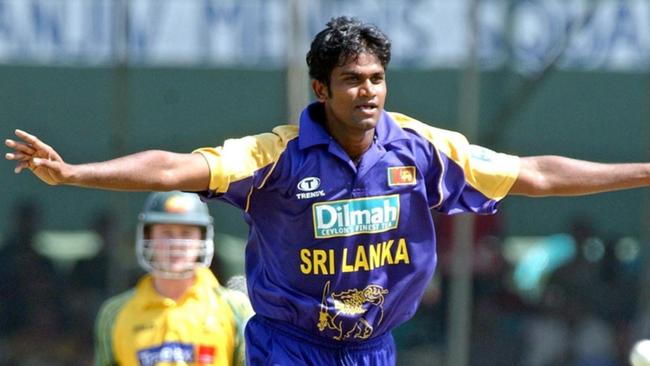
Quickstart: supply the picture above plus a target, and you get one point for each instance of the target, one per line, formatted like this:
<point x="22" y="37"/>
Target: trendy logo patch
<point x="355" y="216"/>
<point x="309" y="184"/>
<point x="309" y="188"/>
<point x="401" y="176"/>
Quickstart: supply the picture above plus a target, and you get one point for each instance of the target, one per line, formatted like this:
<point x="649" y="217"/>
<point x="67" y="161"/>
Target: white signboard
<point x="580" y="34"/>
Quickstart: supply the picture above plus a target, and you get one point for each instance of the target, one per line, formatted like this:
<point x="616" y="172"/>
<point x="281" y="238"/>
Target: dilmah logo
<point x="308" y="187"/>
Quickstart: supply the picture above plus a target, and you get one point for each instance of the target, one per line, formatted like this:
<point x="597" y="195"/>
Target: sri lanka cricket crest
<point x="353" y="303"/>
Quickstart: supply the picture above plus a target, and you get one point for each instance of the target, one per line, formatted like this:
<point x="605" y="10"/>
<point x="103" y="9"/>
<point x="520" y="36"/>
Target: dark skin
<point x="353" y="103"/>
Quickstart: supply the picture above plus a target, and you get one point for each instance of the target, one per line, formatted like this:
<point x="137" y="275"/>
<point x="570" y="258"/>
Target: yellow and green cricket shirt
<point x="142" y="328"/>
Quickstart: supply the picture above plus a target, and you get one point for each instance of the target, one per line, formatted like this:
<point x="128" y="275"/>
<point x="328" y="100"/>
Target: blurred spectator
<point x="569" y="328"/>
<point x="32" y="293"/>
<point x="92" y="274"/>
<point x="485" y="259"/>
<point x="422" y="337"/>
<point x="497" y="311"/>
<point x="89" y="285"/>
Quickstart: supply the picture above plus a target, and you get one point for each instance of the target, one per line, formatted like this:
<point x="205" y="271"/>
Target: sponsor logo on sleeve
<point x="355" y="216"/>
<point x="481" y="153"/>
<point x="401" y="176"/>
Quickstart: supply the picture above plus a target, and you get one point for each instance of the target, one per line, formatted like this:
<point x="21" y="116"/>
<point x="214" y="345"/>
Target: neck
<point x="354" y="142"/>
<point x="355" y="146"/>
<point x="172" y="288"/>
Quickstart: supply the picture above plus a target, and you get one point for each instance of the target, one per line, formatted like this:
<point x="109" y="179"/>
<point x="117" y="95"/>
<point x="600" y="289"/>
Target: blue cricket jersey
<point x="344" y="251"/>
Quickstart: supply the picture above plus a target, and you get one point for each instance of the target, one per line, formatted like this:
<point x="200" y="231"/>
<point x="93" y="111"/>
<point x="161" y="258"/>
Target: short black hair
<point x="343" y="40"/>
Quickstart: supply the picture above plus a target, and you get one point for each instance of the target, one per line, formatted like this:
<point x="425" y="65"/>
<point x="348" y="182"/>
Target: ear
<point x="320" y="90"/>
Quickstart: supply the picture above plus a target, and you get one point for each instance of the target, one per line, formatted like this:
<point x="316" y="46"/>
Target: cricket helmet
<point x="175" y="207"/>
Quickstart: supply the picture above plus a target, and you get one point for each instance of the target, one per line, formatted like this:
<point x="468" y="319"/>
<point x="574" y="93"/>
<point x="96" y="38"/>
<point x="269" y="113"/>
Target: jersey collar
<point x="151" y="298"/>
<point x="313" y="132"/>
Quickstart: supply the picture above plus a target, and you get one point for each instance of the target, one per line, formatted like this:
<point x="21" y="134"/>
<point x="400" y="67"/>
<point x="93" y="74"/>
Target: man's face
<point x="356" y="94"/>
<point x="175" y="246"/>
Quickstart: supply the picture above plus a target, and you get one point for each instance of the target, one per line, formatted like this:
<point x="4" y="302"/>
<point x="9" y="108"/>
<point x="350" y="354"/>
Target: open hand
<point x="35" y="155"/>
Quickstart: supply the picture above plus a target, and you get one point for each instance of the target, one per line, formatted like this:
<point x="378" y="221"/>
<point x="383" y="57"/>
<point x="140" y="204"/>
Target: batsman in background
<point x="178" y="313"/>
<point x="341" y="243"/>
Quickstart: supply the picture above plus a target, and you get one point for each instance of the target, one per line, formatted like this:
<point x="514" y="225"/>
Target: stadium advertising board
<point x="588" y="35"/>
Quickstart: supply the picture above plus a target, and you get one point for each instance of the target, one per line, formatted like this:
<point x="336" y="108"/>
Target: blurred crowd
<point x="587" y="311"/>
<point x="46" y="311"/>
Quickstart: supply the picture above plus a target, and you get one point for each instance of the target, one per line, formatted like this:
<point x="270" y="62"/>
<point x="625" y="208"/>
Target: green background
<point x="596" y="116"/>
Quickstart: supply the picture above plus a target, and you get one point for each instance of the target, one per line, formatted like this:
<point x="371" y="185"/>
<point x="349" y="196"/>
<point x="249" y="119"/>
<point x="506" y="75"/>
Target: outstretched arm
<point x="559" y="176"/>
<point x="152" y="170"/>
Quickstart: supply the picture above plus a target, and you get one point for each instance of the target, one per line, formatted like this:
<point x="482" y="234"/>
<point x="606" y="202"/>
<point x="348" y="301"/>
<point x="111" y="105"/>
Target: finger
<point x="34" y="145"/>
<point x="45" y="163"/>
<point x="17" y="156"/>
<point x="20" y="166"/>
<point x="32" y="140"/>
<point x="22" y="147"/>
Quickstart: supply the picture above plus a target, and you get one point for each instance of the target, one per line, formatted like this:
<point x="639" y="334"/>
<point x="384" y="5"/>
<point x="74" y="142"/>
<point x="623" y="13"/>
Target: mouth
<point x="368" y="108"/>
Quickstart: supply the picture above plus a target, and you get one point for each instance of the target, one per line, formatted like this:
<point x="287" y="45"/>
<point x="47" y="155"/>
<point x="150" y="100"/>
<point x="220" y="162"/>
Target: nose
<point x="367" y="89"/>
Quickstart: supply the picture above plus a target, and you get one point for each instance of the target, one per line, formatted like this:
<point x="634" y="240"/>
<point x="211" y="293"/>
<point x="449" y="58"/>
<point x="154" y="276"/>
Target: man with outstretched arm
<point x="341" y="244"/>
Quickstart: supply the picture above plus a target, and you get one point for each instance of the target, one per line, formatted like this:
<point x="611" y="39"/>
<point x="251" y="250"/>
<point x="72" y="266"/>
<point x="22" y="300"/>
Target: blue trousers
<point x="273" y="343"/>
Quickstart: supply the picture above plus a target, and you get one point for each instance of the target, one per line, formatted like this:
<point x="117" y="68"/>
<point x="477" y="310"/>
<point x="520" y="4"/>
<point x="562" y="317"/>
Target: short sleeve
<point x="461" y="177"/>
<point x="240" y="165"/>
<point x="472" y="178"/>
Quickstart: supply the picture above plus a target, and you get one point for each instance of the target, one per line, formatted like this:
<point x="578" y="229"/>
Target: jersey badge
<point x="171" y="352"/>
<point x="205" y="354"/>
<point x="356" y="216"/>
<point x="353" y="303"/>
<point x="178" y="204"/>
<point x="401" y="176"/>
<point x="308" y="188"/>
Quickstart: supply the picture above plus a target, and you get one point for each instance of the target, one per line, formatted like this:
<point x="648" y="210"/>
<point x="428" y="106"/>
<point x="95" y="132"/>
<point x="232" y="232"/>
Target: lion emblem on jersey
<point x="352" y="303"/>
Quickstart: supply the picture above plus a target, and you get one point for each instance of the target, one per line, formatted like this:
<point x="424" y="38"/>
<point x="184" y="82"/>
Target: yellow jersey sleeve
<point x="238" y="159"/>
<point x="469" y="177"/>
